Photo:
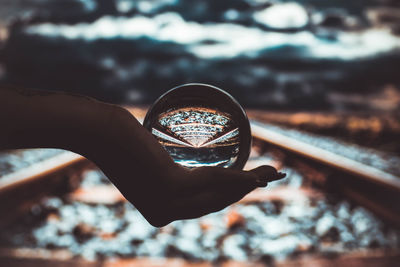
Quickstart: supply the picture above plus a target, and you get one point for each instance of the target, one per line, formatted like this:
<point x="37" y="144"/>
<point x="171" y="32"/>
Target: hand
<point x="160" y="189"/>
<point x="196" y="192"/>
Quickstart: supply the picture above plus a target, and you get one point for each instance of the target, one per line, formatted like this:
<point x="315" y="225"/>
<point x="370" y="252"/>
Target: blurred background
<point x="305" y="55"/>
<point x="327" y="56"/>
<point x="326" y="68"/>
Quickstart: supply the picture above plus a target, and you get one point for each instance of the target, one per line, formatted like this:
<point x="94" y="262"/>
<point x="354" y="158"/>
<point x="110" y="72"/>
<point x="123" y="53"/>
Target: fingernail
<point x="277" y="176"/>
<point x="281" y="174"/>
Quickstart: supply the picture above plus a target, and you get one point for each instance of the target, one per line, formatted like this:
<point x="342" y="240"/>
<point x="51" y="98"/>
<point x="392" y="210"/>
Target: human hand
<point x="196" y="192"/>
<point x="160" y="189"/>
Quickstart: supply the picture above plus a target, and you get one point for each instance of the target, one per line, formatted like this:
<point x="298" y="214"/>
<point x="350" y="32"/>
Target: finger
<point x="224" y="187"/>
<point x="259" y="176"/>
<point x="205" y="177"/>
<point x="268" y="173"/>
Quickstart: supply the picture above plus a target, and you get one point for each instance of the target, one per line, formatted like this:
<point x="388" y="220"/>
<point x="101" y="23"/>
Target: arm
<point x="127" y="153"/>
<point x="42" y="119"/>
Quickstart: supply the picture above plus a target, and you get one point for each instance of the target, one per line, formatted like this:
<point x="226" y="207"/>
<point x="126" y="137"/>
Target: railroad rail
<point x="261" y="131"/>
<point x="42" y="257"/>
<point x="21" y="189"/>
<point x="39" y="170"/>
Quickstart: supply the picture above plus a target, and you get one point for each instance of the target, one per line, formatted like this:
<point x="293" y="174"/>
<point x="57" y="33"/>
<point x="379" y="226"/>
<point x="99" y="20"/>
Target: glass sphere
<point x="201" y="125"/>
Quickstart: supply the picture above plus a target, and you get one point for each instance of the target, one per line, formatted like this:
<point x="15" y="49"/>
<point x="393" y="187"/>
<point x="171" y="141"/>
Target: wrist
<point x="53" y="120"/>
<point x="87" y="127"/>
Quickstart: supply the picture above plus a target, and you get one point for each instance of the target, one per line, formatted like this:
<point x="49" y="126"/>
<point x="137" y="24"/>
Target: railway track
<point x="373" y="188"/>
<point x="326" y="157"/>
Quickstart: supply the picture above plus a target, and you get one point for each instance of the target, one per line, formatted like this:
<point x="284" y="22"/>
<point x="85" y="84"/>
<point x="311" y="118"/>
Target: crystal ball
<point x="201" y="125"/>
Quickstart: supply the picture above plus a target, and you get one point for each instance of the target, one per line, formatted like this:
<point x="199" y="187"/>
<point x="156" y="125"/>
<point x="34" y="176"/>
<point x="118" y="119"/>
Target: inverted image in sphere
<point x="201" y="125"/>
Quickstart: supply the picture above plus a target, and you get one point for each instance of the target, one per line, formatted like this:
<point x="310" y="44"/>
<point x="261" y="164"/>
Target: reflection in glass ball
<point x="197" y="136"/>
<point x="200" y="125"/>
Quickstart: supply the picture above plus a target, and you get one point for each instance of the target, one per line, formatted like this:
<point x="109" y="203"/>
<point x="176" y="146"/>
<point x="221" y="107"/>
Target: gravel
<point x="265" y="231"/>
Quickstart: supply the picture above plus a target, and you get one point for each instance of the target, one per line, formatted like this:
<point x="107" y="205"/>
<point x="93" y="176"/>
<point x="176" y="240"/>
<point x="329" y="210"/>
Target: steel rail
<point x="39" y="170"/>
<point x="262" y="132"/>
